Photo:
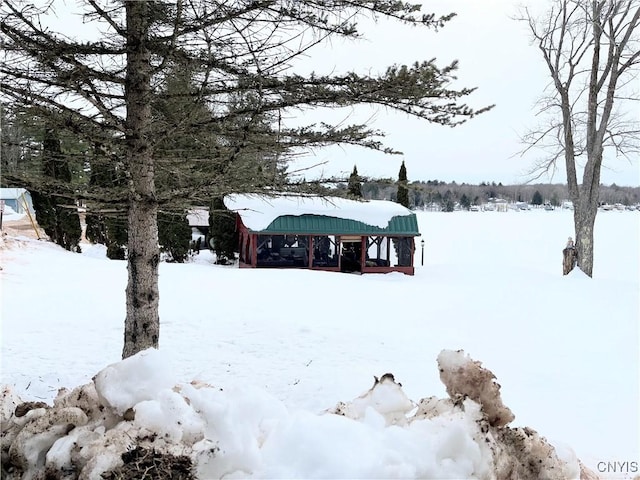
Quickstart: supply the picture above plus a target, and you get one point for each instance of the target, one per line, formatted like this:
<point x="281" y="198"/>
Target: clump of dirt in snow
<point x="465" y="377"/>
<point x="523" y="454"/>
<point x="149" y="464"/>
<point x="81" y="438"/>
<point x="518" y="453"/>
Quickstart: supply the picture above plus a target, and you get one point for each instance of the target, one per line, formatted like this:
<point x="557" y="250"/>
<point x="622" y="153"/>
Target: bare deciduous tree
<point x="592" y="51"/>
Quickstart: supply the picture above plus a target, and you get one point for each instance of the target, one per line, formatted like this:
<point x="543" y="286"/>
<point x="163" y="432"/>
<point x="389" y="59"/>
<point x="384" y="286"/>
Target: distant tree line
<point x="422" y="194"/>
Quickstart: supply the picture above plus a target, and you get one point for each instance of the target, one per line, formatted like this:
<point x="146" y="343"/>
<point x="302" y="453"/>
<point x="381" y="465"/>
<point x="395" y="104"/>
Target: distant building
<point x="18" y="199"/>
<point x="324" y="233"/>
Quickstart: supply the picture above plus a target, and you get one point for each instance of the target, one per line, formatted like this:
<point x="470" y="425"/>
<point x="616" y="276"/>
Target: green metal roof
<point x="406" y="225"/>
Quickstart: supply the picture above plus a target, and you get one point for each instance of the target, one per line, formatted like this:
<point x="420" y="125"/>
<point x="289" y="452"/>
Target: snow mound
<point x="134" y="417"/>
<point x="141" y="377"/>
<point x="385" y="397"/>
<point x="94" y="250"/>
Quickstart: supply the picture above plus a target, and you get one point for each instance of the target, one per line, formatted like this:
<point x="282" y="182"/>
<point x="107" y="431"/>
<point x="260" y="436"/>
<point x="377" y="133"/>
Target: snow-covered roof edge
<point x="258" y="211"/>
<point x="12" y="193"/>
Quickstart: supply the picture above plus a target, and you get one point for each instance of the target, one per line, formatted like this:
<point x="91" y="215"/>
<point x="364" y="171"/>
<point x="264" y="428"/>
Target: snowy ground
<point x="564" y="349"/>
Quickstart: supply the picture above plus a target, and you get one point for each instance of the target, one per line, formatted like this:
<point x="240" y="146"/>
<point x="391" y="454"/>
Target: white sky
<point x="496" y="56"/>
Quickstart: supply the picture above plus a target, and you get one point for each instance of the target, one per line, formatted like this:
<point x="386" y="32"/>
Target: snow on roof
<point x="11" y="193"/>
<point x="258" y="211"/>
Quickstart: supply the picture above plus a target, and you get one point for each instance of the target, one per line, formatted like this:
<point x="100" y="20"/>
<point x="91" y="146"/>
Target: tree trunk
<point x="584" y="218"/>
<point x="142" y="325"/>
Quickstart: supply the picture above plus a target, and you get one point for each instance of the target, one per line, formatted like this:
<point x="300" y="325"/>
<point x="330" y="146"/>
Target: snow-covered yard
<point x="285" y="345"/>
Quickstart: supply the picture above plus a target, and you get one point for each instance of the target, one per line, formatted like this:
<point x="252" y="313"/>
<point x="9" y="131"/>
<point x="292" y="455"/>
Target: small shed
<point x="18" y="199"/>
<point x="324" y="233"/>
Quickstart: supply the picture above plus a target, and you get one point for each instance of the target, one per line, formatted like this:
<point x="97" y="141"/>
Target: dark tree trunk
<point x="584" y="218"/>
<point x="142" y="325"/>
<point x="586" y="207"/>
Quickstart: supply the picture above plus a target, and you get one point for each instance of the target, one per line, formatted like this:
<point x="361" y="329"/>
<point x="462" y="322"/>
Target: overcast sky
<point x="495" y="56"/>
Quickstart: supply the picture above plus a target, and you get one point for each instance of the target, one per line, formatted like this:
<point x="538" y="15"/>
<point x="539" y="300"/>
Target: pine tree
<point x="465" y="202"/>
<point x="354" y="186"/>
<point x="222" y="231"/>
<point x="117" y="238"/>
<point x="58" y="216"/>
<point x="447" y="202"/>
<point x="14" y="156"/>
<point x="537" y="198"/>
<point x="403" y="191"/>
<point x="174" y="235"/>
<point x="107" y="228"/>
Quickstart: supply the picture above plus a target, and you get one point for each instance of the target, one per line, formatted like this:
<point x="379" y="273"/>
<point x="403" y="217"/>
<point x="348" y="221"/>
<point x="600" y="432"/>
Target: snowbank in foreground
<point x="135" y="415"/>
